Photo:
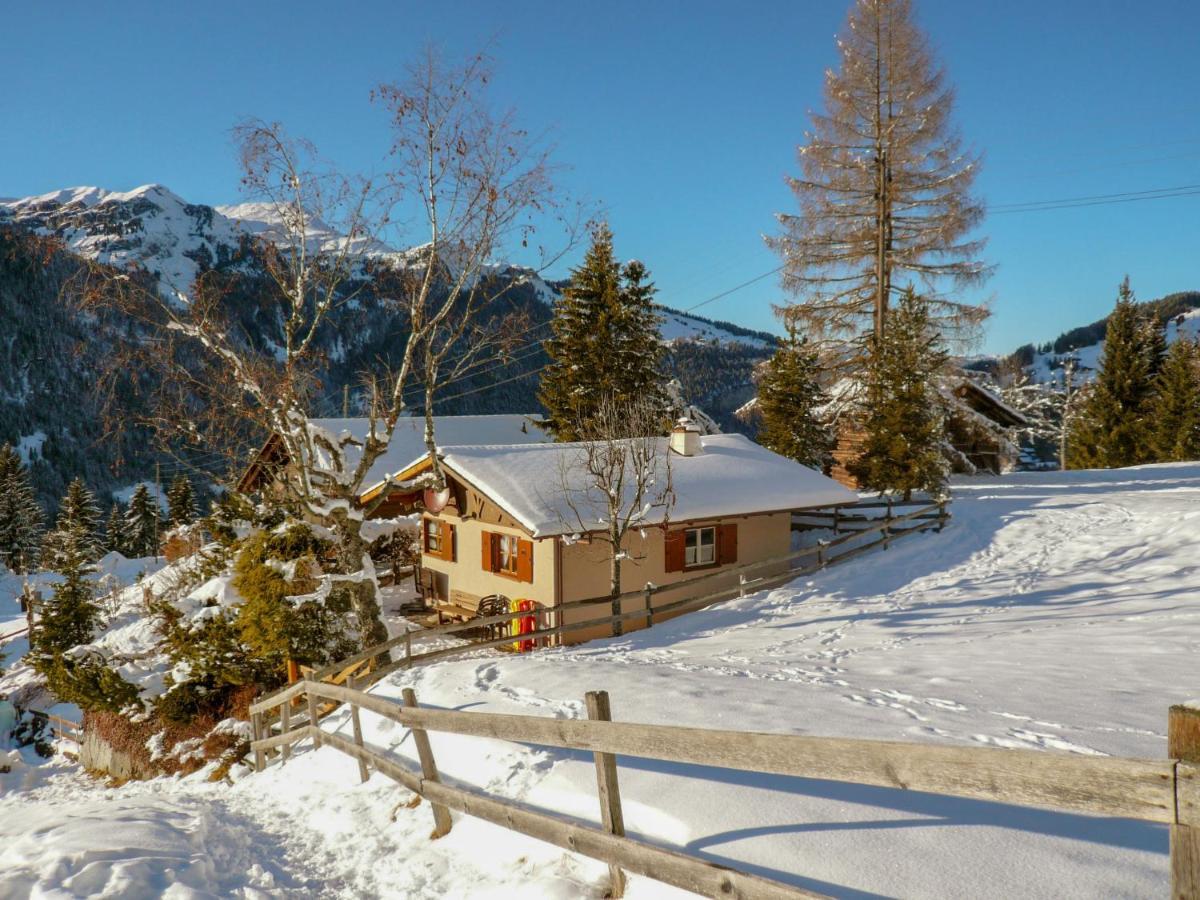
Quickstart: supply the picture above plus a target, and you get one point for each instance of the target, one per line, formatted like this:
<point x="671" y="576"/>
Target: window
<point x="508" y="555"/>
<point x="507" y="559"/>
<point x="700" y="547"/>
<point x="433" y="537"/>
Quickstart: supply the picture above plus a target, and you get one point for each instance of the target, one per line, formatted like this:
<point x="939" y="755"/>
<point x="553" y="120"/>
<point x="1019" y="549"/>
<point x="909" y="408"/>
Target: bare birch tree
<point x="476" y="185"/>
<point x="884" y="191"/>
<point x="614" y="485"/>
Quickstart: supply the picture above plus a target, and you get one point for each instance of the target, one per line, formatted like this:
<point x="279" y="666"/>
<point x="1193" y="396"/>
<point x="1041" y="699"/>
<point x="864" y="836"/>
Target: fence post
<point x="741" y="584"/>
<point x="356" y="721"/>
<point x="441" y="815"/>
<point x="648" y="597"/>
<point x="837" y="516"/>
<point x="312" y="710"/>
<point x="1183" y="744"/>
<point x="941" y="515"/>
<point x="606" y="782"/>
<point x="887" y="529"/>
<point x="256" y="728"/>
<point x="820" y="555"/>
<point x="407" y="648"/>
<point x="285" y="725"/>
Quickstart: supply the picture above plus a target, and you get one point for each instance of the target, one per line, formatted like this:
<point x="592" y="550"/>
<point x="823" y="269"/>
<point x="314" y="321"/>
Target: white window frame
<point x="694" y="547"/>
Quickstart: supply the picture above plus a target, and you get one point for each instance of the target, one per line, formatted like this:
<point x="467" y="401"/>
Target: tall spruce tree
<point x="788" y="396"/>
<point x="21" y="521"/>
<point x="77" y="526"/>
<point x="1175" y="409"/>
<point x="142" y="523"/>
<point x="605" y="342"/>
<point x="902" y="449"/>
<point x="181" y="502"/>
<point x="1110" y="429"/>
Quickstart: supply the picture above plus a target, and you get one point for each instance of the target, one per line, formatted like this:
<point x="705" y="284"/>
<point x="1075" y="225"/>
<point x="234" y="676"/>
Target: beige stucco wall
<point x="466" y="573"/>
<point x="586" y="568"/>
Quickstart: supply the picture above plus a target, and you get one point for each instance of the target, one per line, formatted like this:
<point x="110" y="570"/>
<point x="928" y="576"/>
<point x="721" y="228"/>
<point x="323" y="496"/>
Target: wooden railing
<point x="890" y="527"/>
<point x="1165" y="791"/>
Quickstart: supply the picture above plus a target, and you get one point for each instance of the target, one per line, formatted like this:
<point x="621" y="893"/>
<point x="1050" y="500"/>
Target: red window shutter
<point x="448" y="547"/>
<point x="726" y="544"/>
<point x="674" y="547"/>
<point x="525" y="560"/>
<point x="489" y="552"/>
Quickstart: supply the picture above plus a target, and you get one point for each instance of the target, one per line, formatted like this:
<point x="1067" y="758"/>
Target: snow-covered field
<point x="1059" y="611"/>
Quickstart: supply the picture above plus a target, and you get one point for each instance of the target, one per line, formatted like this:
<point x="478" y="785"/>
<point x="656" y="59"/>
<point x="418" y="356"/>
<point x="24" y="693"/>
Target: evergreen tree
<point x="902" y="450"/>
<point x="70" y="616"/>
<point x="181" y="502"/>
<point x="114" y="530"/>
<point x="21" y="522"/>
<point x="142" y="523"/>
<point x="1111" y="428"/>
<point x="605" y="342"/>
<point x="788" y="395"/>
<point x="1175" y="409"/>
<point x="77" y="527"/>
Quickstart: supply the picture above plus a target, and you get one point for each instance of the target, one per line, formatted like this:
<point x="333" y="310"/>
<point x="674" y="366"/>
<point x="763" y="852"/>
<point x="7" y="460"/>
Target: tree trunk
<point x="614" y="587"/>
<point x="363" y="595"/>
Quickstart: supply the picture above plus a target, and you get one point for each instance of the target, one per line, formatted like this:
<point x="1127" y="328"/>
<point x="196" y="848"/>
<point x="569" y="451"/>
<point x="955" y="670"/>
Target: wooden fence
<point x="849" y="526"/>
<point x="1164" y="791"/>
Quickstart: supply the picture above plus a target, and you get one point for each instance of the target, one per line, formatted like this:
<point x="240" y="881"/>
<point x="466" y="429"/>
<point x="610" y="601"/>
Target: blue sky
<point x="680" y="118"/>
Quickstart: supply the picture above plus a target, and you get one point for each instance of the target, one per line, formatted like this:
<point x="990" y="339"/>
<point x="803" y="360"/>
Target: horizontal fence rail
<point x="1163" y="791"/>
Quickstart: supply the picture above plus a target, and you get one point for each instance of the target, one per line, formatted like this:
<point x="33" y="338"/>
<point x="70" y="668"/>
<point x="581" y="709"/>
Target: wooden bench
<point x="453" y="611"/>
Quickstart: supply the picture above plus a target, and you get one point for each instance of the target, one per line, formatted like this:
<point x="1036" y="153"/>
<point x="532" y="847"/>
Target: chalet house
<point x="509" y="530"/>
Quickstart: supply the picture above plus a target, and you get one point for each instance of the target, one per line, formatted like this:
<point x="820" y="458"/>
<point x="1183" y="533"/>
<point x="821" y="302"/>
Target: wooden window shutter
<point x="726" y="544"/>
<point x="674" y="543"/>
<point x="489" y="551"/>
<point x="525" y="560"/>
<point x="448" y="547"/>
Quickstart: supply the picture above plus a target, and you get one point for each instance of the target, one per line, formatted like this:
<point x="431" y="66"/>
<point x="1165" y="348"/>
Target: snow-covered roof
<point x="408" y="440"/>
<point x="731" y="476"/>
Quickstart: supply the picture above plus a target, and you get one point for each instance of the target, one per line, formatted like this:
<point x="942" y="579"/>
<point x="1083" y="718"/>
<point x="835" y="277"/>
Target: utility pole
<point x="346" y="400"/>
<point x="1068" y="381"/>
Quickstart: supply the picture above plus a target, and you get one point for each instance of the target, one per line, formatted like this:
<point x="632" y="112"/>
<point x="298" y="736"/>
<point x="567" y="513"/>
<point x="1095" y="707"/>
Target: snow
<point x="30" y="446"/>
<point x="731" y="476"/>
<point x="408" y="440"/>
<point x="1057" y="611"/>
<point x="679" y="326"/>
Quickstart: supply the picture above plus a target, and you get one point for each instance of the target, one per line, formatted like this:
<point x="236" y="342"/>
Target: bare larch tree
<point x="884" y="191"/>
<point x="469" y="179"/>
<point x="614" y="484"/>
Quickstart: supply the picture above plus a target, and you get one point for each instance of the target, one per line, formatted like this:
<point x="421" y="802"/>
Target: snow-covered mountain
<point x="156" y="229"/>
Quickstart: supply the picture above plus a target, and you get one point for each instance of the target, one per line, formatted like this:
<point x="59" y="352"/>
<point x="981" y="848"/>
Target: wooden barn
<point x="979" y="427"/>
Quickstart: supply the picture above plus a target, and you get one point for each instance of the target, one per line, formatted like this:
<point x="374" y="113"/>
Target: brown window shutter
<point x="525" y="560"/>
<point x="489" y="552"/>
<point x="674" y="546"/>
<point x="448" y="548"/>
<point x="726" y="544"/>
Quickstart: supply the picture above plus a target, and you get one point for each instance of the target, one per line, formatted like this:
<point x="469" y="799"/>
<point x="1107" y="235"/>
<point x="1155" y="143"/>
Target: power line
<point x="1097" y="199"/>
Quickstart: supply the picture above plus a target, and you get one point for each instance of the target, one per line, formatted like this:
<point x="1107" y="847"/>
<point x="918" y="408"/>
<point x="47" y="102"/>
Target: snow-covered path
<point x="1059" y="611"/>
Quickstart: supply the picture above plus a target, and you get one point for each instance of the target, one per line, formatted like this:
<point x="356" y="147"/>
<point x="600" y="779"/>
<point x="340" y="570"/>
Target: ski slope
<point x="1058" y="611"/>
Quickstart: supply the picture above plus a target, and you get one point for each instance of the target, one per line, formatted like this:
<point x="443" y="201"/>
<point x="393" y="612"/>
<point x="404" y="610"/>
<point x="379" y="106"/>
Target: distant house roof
<point x="731" y="476"/>
<point x="407" y="443"/>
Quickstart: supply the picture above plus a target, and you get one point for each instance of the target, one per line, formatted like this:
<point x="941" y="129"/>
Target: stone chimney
<point x="685" y="438"/>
